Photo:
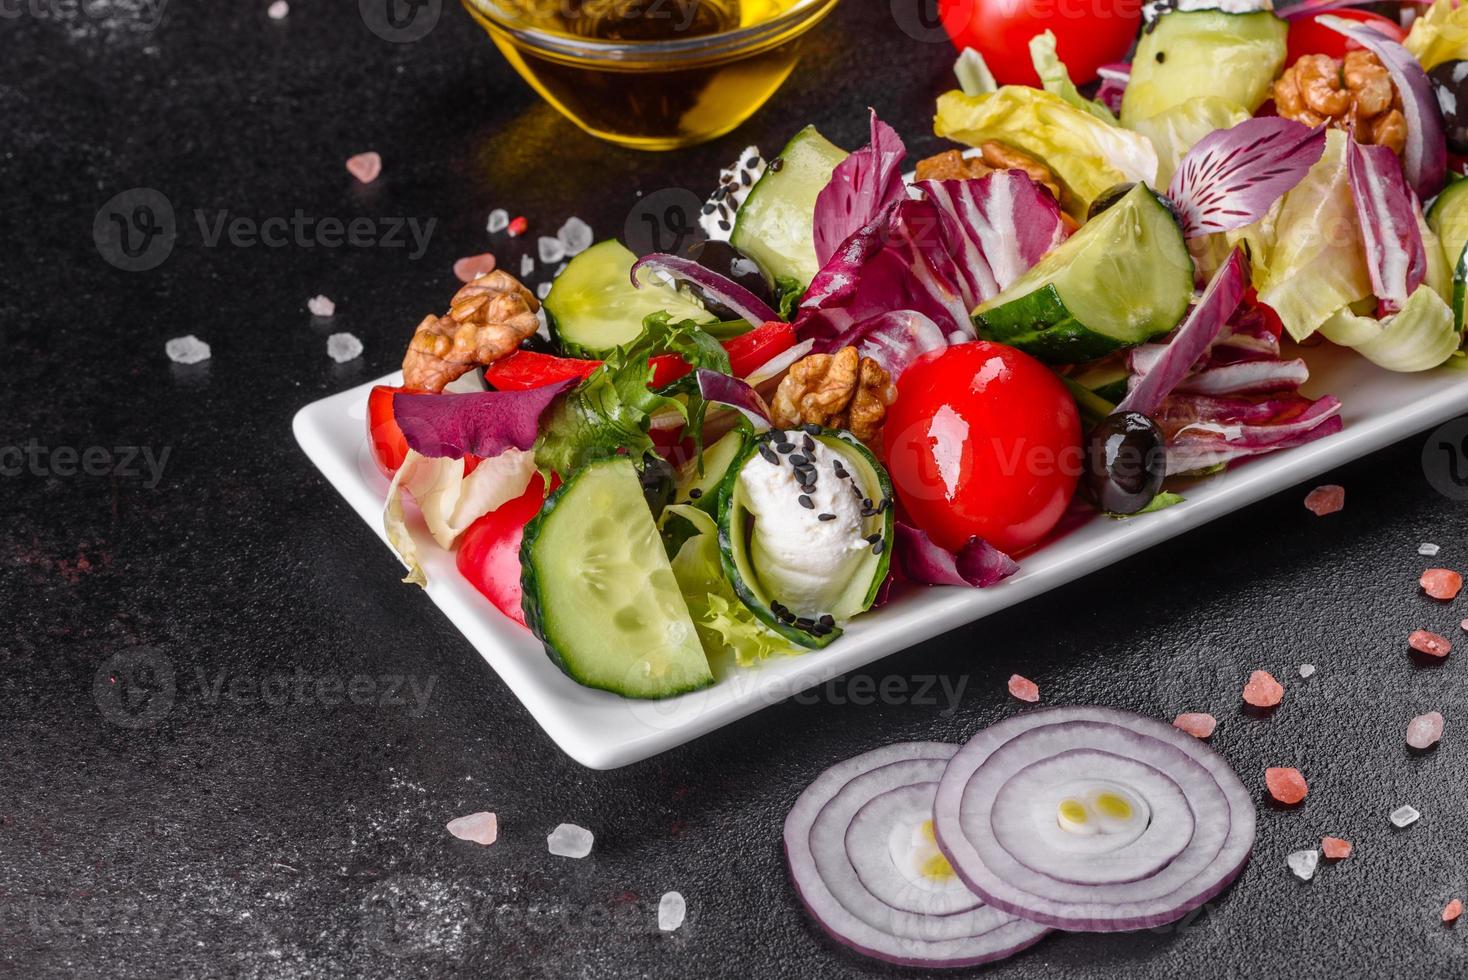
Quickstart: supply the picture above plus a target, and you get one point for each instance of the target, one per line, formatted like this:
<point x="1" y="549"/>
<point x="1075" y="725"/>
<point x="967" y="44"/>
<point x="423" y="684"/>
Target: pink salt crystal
<point x="1429" y="643"/>
<point x="1441" y="583"/>
<point x="365" y="166"/>
<point x="471" y="267"/>
<point x="1286" y="784"/>
<point x="1024" y="688"/>
<point x="1325" y="500"/>
<point x="1195" y="723"/>
<point x="1452" y="910"/>
<point x="1424" y="730"/>
<point x="1263" y="691"/>
<point x="321" y="306"/>
<point x="481" y="828"/>
<point x="1335" y="849"/>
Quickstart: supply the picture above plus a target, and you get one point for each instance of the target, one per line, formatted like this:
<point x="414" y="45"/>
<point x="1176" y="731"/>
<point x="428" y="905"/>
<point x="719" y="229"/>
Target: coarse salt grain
<point x="186" y="350"/>
<point x="527" y="266"/>
<point x="575" y="235"/>
<point x="1441" y="583"/>
<point x="1424" y="731"/>
<point x="671" y="911"/>
<point x="1307" y="670"/>
<point x="1404" y="816"/>
<point x="1196" y="723"/>
<point x="278" y="10"/>
<point x="499" y="220"/>
<point x="321" y="306"/>
<point x="1024" y="688"/>
<point x="343" y="347"/>
<point x="480" y="828"/>
<point x="543" y="290"/>
<point x="569" y="840"/>
<point x="549" y="250"/>
<point x="1325" y="500"/>
<point x="1335" y="848"/>
<point x="1452" y="910"/>
<point x="471" y="267"/>
<point x="1286" y="785"/>
<point x="365" y="166"/>
<point x="1429" y="643"/>
<point x="1303" y="863"/>
<point x="1262" y="690"/>
<point x="1428" y="550"/>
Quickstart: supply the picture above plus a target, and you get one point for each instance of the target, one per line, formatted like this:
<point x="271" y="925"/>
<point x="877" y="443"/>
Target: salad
<point x="859" y="381"/>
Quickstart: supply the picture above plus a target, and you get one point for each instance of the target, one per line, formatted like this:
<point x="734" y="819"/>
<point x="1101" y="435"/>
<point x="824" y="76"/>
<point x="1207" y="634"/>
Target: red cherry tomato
<point x="983" y="440"/>
<point x="1309" y="37"/>
<point x="1271" y="318"/>
<point x="389" y="448"/>
<point x="489" y="551"/>
<point x="1088" y="33"/>
<point x="527" y="369"/>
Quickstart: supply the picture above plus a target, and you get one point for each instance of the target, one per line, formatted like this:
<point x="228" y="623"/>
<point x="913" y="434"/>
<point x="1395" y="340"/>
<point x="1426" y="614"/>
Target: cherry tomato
<point x="389" y="448"/>
<point x="983" y="440"/>
<point x="1309" y="37"/>
<point x="489" y="551"/>
<point x="1271" y="318"/>
<point x="1088" y="33"/>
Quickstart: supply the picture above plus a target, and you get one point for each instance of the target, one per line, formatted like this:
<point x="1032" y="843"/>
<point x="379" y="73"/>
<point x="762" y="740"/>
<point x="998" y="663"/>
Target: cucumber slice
<point x="774" y="225"/>
<point x="593" y="307"/>
<point x="1106" y="379"/>
<point x="1192" y="53"/>
<point x="702" y="489"/>
<point x="1448" y="219"/>
<point x="599" y="592"/>
<point x="1121" y="280"/>
<point x="738" y="537"/>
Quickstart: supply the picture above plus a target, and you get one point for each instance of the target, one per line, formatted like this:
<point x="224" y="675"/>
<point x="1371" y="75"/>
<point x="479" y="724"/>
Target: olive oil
<point x="664" y="89"/>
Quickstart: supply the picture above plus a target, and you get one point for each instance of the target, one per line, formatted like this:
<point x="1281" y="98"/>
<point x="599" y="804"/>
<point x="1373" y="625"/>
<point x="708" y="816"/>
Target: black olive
<point x="1116" y="192"/>
<point x="1450" y="86"/>
<point x="1126" y="461"/>
<point x="725" y="259"/>
<point x="659" y="482"/>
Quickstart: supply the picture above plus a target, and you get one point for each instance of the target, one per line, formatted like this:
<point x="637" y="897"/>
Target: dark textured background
<point x="233" y="837"/>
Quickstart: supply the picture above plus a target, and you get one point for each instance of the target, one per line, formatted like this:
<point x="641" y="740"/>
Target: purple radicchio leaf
<point x="1233" y="176"/>
<point x="1007" y="223"/>
<point x="1425" y="156"/>
<point x="1212" y="441"/>
<point x="860" y="187"/>
<point x="723" y="289"/>
<point x="721" y="389"/>
<point x="479" y="423"/>
<point x="1114" y="79"/>
<point x="1395" y="255"/>
<point x="977" y="564"/>
<point x="894" y="340"/>
<point x="1192" y="340"/>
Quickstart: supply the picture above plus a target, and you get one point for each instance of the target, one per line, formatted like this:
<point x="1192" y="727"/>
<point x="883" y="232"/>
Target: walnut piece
<point x="953" y="165"/>
<point x="1354" y="94"/>
<point x="840" y="391"/>
<point x="487" y="320"/>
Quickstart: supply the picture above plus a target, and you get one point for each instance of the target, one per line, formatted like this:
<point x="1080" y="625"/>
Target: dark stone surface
<point x="231" y="836"/>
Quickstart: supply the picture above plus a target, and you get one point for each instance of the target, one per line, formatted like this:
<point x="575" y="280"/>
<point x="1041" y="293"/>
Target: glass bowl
<point x="687" y="86"/>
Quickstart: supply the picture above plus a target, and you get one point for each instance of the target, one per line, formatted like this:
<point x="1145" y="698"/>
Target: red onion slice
<point x="728" y="292"/>
<point x="738" y="395"/>
<point x="978" y="563"/>
<point x="1021" y="754"/>
<point x="1425" y="158"/>
<point x="847" y="807"/>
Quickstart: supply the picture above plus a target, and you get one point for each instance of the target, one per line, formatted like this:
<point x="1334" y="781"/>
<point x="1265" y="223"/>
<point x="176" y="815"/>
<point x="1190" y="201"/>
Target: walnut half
<point x="1354" y="94"/>
<point x="993" y="155"/>
<point x="840" y="391"/>
<point x="487" y="320"/>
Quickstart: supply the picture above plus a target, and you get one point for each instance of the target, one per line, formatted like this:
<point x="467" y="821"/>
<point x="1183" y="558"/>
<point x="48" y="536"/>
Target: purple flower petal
<point x="1233" y="176"/>
<point x="481" y="423"/>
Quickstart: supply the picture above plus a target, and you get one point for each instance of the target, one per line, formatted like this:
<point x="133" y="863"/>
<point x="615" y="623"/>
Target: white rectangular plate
<point x="604" y="731"/>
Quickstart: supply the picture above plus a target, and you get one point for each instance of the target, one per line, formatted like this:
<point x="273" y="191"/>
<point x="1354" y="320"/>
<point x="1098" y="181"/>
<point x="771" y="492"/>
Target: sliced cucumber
<point x="773" y="226"/>
<point x="702" y="488"/>
<point x="1190" y="53"/>
<point x="1448" y="218"/>
<point x="598" y="589"/>
<point x="1121" y="280"/>
<point x="1105" y="378"/>
<point x="760" y="589"/>
<point x="593" y="307"/>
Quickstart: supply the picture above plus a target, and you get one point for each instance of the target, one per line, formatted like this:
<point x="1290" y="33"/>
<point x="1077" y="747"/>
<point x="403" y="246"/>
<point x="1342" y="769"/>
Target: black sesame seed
<point x="770" y="457"/>
<point x="807" y="488"/>
<point x="725" y="226"/>
<point x="695" y="493"/>
<point x="828" y="620"/>
<point x="878" y="547"/>
<point x="866" y="503"/>
<point x="799" y="460"/>
<point x="806" y="502"/>
<point x="809" y="444"/>
<point x="841" y="471"/>
<point x="883" y="504"/>
<point x="1161" y="57"/>
<point x="746" y="178"/>
<point x="803" y="623"/>
<point x="873" y="538"/>
<point x="826" y="517"/>
<point x="785" y="447"/>
<point x="710" y="208"/>
<point x="777" y="164"/>
<point x="810" y="428"/>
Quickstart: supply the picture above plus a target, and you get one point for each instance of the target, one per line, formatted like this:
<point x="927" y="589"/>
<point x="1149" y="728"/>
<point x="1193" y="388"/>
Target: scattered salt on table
<point x="481" y="828"/>
<point x="1262" y="690"/>
<point x="569" y="840"/>
<point x="186" y="350"/>
<point x="1307" y="670"/>
<point x="1024" y="688"/>
<point x="1452" y="910"/>
<point x="671" y="910"/>
<point x="575" y="235"/>
<point x="1428" y="550"/>
<point x="543" y="290"/>
<point x="343" y="347"/>
<point x="278" y="10"/>
<point x="365" y="166"/>
<point x="550" y="250"/>
<point x="499" y="220"/>
<point x="1285" y="784"/>
<point x="1335" y="848"/>
<point x="321" y="306"/>
<point x="1441" y="583"/>
<point x="1196" y="723"/>
<point x="1402" y="816"/>
<point x="1325" y="500"/>
<point x="1429" y="643"/>
<point x="1304" y="863"/>
<point x="471" y="267"/>
<point x="1424" y="730"/>
<point x="527" y="266"/>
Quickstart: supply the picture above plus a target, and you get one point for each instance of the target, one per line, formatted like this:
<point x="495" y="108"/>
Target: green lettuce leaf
<point x="1421" y="335"/>
<point x="1055" y="79"/>
<point x="1439" y="34"/>
<point x="1174" y="131"/>
<point x="972" y="71"/>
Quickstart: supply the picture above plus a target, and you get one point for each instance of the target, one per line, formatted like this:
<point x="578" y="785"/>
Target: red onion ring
<point x="1028" y="755"/>
<point x="725" y="290"/>
<point x="846" y="811"/>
